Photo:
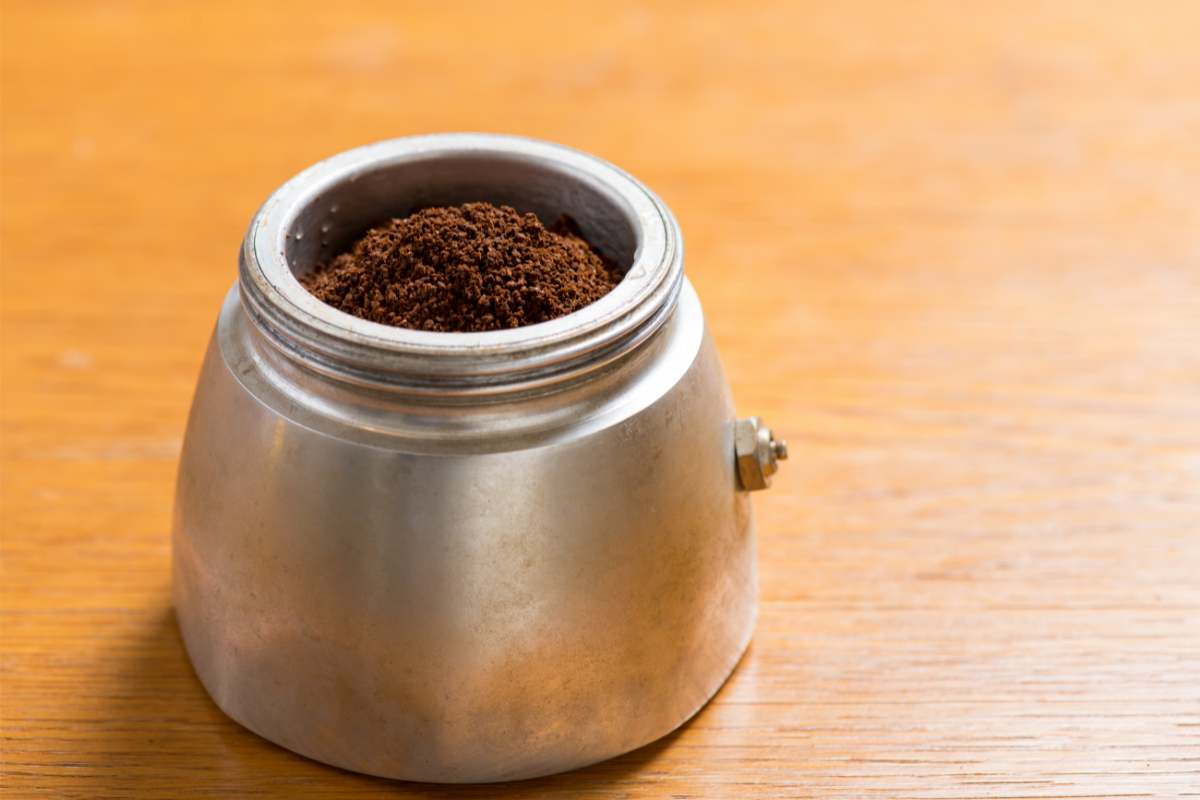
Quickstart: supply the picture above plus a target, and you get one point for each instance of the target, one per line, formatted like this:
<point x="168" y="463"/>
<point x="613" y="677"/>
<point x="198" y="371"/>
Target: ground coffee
<point x="474" y="267"/>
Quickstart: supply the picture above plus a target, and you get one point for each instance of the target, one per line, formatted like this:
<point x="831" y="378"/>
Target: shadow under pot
<point x="464" y="557"/>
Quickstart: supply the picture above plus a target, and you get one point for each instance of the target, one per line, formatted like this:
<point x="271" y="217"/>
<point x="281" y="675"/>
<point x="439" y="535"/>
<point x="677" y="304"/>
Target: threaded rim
<point x="534" y="357"/>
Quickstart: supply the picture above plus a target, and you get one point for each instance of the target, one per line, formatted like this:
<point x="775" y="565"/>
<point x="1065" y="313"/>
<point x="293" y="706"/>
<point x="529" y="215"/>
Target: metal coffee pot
<point x="465" y="557"/>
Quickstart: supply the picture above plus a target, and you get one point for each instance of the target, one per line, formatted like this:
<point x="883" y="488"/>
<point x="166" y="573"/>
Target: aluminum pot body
<point x="435" y="586"/>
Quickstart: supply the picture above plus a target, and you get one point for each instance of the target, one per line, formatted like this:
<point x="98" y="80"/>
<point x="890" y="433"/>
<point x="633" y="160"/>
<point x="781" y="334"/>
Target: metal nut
<point x="757" y="453"/>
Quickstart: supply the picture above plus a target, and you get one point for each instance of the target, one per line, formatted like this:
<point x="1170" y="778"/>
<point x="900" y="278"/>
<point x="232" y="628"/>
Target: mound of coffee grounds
<point x="474" y="267"/>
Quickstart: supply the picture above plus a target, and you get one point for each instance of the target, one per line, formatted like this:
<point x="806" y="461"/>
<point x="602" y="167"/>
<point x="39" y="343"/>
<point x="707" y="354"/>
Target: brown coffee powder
<point x="474" y="267"/>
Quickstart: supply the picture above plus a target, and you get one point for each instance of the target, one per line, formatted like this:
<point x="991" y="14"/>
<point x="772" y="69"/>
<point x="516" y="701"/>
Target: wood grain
<point x="952" y="250"/>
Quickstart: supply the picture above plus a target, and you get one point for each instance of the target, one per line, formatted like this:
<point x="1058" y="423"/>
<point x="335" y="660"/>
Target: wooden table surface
<point x="951" y="250"/>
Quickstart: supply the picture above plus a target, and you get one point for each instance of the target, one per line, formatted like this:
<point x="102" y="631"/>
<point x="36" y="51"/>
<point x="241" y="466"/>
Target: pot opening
<point x="322" y="211"/>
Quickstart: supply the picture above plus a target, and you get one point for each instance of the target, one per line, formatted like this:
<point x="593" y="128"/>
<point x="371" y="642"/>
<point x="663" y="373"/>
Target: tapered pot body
<point x="460" y="581"/>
